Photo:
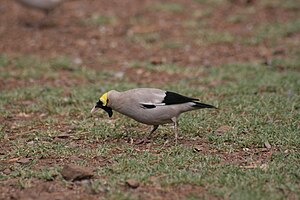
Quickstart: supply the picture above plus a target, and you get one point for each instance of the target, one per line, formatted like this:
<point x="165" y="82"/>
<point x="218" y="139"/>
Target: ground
<point x="242" y="56"/>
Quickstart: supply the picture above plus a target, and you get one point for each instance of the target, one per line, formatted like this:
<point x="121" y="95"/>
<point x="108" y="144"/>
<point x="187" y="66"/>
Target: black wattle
<point x="108" y="110"/>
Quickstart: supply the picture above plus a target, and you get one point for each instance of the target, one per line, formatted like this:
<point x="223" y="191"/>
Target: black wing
<point x="174" y="98"/>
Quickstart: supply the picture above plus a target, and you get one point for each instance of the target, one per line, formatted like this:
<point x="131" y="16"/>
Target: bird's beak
<point x="94" y="109"/>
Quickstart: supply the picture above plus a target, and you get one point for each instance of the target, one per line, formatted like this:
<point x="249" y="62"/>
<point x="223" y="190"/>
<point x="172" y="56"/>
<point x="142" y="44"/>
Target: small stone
<point x="264" y="167"/>
<point x="197" y="148"/>
<point x="77" y="61"/>
<point x="81" y="43"/>
<point x="267" y="145"/>
<point x="24" y="160"/>
<point x="279" y="51"/>
<point x="286" y="151"/>
<point x="22" y="114"/>
<point x="153" y="179"/>
<point x="246" y="149"/>
<point x="30" y="142"/>
<point x="222" y="129"/>
<point x="132" y="183"/>
<point x="119" y="74"/>
<point x="156" y="61"/>
<point x="63" y="135"/>
<point x="7" y="171"/>
<point x="76" y="173"/>
<point x="140" y="71"/>
<point x="84" y="182"/>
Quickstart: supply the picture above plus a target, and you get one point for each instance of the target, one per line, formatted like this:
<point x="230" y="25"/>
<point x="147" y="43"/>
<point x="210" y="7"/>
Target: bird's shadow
<point x="38" y="24"/>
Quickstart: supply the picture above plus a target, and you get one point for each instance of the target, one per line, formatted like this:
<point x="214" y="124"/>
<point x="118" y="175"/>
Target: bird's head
<point x="102" y="103"/>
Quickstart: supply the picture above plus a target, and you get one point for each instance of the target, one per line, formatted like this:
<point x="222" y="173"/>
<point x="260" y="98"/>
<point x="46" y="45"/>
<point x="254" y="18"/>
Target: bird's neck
<point x="114" y="97"/>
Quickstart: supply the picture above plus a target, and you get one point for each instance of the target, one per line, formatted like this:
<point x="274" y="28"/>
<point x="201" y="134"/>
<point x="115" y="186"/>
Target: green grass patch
<point x="274" y="32"/>
<point x="283" y="63"/>
<point x="288" y="4"/>
<point x="210" y="2"/>
<point x="167" y="7"/>
<point x="100" y="20"/>
<point x="204" y="36"/>
<point x="259" y="104"/>
<point x="145" y="39"/>
<point x="238" y="18"/>
<point x="172" y="44"/>
<point x="4" y="61"/>
<point x="166" y="67"/>
<point x="26" y="67"/>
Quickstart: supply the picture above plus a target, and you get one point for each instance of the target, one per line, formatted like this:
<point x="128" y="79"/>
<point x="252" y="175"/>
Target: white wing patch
<point x="154" y="104"/>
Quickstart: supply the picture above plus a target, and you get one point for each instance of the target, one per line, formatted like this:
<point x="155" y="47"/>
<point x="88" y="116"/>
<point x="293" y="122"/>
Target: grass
<point x="167" y="7"/>
<point x="258" y="102"/>
<point x="145" y="39"/>
<point x="173" y="45"/>
<point x="289" y="4"/>
<point x="205" y="36"/>
<point x="100" y="20"/>
<point x="213" y="37"/>
<point x="45" y="116"/>
<point x="275" y="31"/>
<point x="212" y="2"/>
<point x="165" y="67"/>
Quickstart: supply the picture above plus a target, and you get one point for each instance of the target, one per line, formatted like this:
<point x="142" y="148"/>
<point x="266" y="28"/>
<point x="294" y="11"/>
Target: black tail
<point x="203" y="105"/>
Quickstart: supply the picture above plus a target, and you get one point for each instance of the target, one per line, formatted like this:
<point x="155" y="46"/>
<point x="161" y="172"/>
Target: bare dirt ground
<point x="110" y="46"/>
<point x="65" y="33"/>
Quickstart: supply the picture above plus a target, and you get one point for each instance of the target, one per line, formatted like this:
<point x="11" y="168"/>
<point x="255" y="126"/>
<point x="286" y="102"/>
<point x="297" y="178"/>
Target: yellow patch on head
<point x="103" y="99"/>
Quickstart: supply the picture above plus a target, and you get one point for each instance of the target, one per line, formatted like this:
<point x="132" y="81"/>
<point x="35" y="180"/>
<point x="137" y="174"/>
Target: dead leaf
<point x="22" y="114"/>
<point x="249" y="166"/>
<point x="12" y="160"/>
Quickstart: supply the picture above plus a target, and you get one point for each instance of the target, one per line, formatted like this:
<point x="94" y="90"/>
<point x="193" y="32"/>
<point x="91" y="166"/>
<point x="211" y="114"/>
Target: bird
<point x="45" y="5"/>
<point x="149" y="106"/>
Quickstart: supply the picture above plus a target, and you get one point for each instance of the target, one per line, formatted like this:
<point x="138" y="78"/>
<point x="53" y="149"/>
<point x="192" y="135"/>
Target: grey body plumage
<point x="45" y="5"/>
<point x="149" y="105"/>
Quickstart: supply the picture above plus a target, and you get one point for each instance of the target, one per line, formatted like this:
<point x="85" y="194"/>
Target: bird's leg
<point x="174" y="119"/>
<point x="44" y="22"/>
<point x="152" y="131"/>
<point x="145" y="140"/>
<point x="176" y="132"/>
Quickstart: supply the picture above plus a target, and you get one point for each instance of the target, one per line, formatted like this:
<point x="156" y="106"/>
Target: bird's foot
<point x="39" y="25"/>
<point x="145" y="140"/>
